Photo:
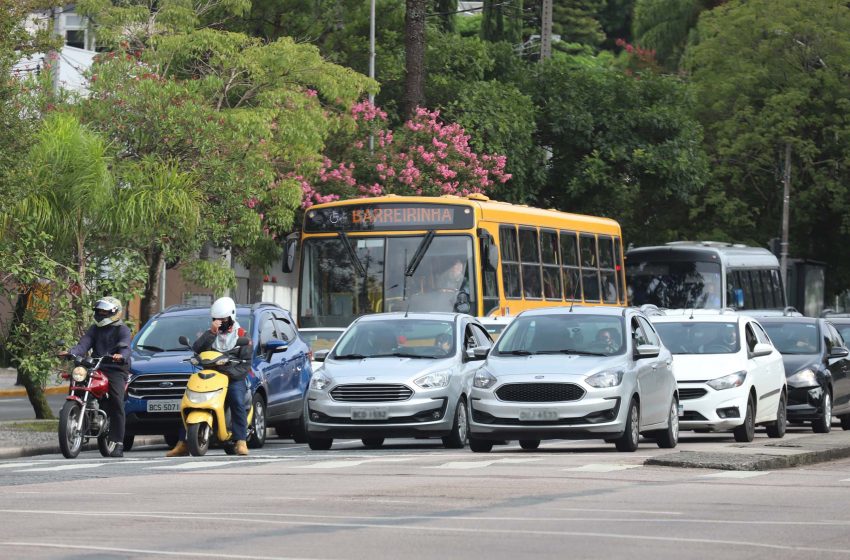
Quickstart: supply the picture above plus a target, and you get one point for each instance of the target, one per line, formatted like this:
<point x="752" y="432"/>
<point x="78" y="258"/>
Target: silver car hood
<point x="577" y="367"/>
<point x="383" y="370"/>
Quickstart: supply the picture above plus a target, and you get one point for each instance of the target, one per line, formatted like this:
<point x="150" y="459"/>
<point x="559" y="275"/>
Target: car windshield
<point x="320" y="340"/>
<point x="161" y="334"/>
<point x="689" y="337"/>
<point x="495" y="329"/>
<point x="408" y="338"/>
<point x="844" y="330"/>
<point x="593" y="335"/>
<point x="793" y="338"/>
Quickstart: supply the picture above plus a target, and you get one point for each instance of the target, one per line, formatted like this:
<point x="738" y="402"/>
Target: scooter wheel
<point x="70" y="442"/>
<point x="198" y="438"/>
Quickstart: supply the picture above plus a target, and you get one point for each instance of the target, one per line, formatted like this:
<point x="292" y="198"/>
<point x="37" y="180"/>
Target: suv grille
<point x="685" y="394"/>
<point x="540" y="392"/>
<point x="159" y="386"/>
<point x="362" y="392"/>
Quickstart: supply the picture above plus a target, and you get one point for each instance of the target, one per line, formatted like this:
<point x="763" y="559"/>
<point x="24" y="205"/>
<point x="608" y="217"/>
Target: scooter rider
<point x="222" y="336"/>
<point x="106" y="335"/>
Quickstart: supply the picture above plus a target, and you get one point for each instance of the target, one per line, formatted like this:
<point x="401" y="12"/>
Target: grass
<point x="33" y="425"/>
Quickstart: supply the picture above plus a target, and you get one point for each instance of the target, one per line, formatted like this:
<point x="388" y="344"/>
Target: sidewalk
<point x="9" y="389"/>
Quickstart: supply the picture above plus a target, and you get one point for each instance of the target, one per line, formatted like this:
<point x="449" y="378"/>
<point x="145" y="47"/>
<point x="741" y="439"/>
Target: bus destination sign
<point x="389" y="217"/>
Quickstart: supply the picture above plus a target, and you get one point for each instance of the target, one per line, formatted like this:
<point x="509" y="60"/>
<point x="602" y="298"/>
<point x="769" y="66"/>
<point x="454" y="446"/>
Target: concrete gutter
<point x="50" y="449"/>
<point x="21" y="392"/>
<point x="776" y="454"/>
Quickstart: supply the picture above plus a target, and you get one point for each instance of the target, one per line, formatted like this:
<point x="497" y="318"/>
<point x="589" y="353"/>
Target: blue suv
<point x="280" y="372"/>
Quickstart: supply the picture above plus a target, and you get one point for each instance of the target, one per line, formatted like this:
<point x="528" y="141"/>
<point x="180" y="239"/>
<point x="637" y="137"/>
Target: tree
<point x="666" y="26"/>
<point x="770" y="75"/>
<point x="502" y="21"/>
<point x="414" y="49"/>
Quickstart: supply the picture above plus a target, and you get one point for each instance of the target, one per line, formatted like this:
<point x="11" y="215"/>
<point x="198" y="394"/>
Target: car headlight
<point x="436" y="380"/>
<point x="605" y="379"/>
<point x="198" y="398"/>
<point x="804" y="378"/>
<point x="728" y="381"/>
<point x="483" y="379"/>
<point x="319" y="381"/>
<point x="79" y="373"/>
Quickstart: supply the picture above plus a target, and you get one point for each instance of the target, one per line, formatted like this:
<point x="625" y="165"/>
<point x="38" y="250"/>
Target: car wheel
<point x="257" y="433"/>
<point x="129" y="439"/>
<point x="824" y="424"/>
<point x="372" y="442"/>
<point x="299" y="432"/>
<point x="319" y="444"/>
<point x="777" y="429"/>
<point x="457" y="438"/>
<point x="631" y="435"/>
<point x="667" y="439"/>
<point x="198" y="438"/>
<point x="530" y="444"/>
<point x="845" y="421"/>
<point x="747" y="431"/>
<point x="480" y="445"/>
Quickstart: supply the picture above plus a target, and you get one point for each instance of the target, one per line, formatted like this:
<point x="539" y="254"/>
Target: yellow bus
<point x="467" y="254"/>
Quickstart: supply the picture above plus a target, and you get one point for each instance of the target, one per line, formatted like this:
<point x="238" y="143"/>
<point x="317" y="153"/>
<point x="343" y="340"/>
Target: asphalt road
<point x="19" y="408"/>
<point x="413" y="499"/>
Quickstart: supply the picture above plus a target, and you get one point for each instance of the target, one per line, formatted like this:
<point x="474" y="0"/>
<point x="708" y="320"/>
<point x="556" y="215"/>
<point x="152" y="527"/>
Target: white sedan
<point x="320" y="339"/>
<point x="729" y="374"/>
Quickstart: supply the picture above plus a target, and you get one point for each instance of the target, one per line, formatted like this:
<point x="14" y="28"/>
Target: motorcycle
<point x="203" y="409"/>
<point x="82" y="416"/>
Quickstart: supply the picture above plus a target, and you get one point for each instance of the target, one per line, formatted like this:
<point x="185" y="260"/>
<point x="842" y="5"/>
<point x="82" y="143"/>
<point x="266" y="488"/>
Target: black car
<point x="817" y="370"/>
<point x="841" y="321"/>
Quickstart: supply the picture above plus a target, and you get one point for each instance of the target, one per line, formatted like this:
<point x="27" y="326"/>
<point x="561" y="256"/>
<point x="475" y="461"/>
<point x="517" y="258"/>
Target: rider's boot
<point x="118" y="450"/>
<point x="241" y="447"/>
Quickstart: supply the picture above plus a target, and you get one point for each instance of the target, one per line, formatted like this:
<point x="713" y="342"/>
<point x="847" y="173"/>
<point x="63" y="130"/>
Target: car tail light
<point x="310" y="355"/>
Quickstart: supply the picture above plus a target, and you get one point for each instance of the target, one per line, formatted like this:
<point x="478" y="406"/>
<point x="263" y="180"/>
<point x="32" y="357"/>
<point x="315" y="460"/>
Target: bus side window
<point x="551" y="266"/>
<point x="589" y="268"/>
<point x="571" y="270"/>
<point x="529" y="250"/>
<point x="746" y="287"/>
<point x="510" y="262"/>
<point x="489" y="283"/>
<point x="606" y="266"/>
<point x="619" y="269"/>
<point x="758" y="289"/>
<point x="767" y="290"/>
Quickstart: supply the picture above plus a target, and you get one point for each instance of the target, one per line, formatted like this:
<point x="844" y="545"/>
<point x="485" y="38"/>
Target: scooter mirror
<point x="183" y="340"/>
<point x="243" y="341"/>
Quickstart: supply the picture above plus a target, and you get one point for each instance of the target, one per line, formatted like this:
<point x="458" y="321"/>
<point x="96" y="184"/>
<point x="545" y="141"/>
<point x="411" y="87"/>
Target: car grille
<point x="367" y="392"/>
<point x="539" y="392"/>
<point x="158" y="386"/>
<point x="685" y="394"/>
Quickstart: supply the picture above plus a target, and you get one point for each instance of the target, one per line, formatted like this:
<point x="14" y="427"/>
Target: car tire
<point x="777" y="429"/>
<point x="372" y="442"/>
<point x="198" y="438"/>
<point x="824" y="424"/>
<point x="746" y="431"/>
<point x="628" y="442"/>
<point x="669" y="438"/>
<point x="529" y="444"/>
<point x="129" y="440"/>
<point x="319" y="444"/>
<point x="257" y="437"/>
<point x="480" y="445"/>
<point x="845" y="421"/>
<point x="299" y="431"/>
<point x="460" y="428"/>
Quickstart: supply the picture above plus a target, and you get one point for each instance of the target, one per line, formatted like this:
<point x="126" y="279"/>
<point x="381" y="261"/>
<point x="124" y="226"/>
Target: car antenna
<point x="692" y="314"/>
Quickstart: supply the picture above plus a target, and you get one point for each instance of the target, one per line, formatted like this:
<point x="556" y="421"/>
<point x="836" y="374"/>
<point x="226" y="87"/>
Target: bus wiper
<point x="152" y="348"/>
<point x="357" y="264"/>
<point x="420" y="253"/>
<point x="517" y="353"/>
<point x="351" y="357"/>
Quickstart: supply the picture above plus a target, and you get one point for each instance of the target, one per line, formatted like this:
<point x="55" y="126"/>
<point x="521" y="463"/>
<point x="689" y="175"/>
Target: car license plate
<point x="164" y="406"/>
<point x="532" y="415"/>
<point x="369" y="413"/>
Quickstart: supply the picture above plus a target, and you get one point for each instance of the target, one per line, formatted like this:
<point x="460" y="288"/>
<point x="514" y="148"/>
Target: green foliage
<point x="213" y="275"/>
<point x="502" y="20"/>
<point x="33" y="343"/>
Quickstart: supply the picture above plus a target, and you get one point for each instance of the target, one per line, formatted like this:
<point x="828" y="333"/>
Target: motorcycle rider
<point x="222" y="336"/>
<point x="108" y="334"/>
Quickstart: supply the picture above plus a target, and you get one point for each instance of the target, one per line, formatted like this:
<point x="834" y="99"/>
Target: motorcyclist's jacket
<point x="104" y="341"/>
<point x="236" y="372"/>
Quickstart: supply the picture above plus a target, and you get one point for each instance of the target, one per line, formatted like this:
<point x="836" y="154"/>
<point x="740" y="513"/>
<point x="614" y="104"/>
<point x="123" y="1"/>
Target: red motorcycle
<point x="82" y="417"/>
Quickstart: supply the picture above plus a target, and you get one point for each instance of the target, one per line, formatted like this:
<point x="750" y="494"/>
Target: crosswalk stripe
<point x="601" y="468"/>
<point x="340" y="464"/>
<point x="481" y="464"/>
<point x="74" y="466"/>
<point x="736" y="474"/>
<point x="18" y="465"/>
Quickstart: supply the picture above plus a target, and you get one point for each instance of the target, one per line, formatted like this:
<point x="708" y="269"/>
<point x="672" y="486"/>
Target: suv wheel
<point x="257" y="433"/>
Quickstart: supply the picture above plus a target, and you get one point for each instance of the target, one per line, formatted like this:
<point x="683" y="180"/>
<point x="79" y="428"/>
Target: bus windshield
<point x="675" y="285"/>
<point x="335" y="290"/>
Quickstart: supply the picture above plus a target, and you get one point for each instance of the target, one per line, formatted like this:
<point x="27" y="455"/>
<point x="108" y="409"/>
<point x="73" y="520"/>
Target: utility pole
<point x="786" y="203"/>
<point x="546" y="31"/>
<point x="53" y="56"/>
<point x="371" y="63"/>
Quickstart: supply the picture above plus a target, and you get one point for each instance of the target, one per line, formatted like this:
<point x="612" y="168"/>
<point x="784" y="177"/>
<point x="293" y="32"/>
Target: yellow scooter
<point x="203" y="409"/>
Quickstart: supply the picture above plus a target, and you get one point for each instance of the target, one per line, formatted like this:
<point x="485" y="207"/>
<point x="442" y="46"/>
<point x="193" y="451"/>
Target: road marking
<point x="736" y="474"/>
<point x="483" y="464"/>
<point x="212" y="464"/>
<point x="602" y="468"/>
<point x="16" y="465"/>
<point x="640" y="511"/>
<point x="341" y="464"/>
<point x="147" y="551"/>
<point x="75" y="466"/>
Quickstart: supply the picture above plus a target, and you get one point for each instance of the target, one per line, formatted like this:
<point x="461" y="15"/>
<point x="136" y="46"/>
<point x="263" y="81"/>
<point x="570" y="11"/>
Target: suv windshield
<point x="409" y="338"/>
<point x="688" y="337"/>
<point x="161" y="333"/>
<point x="793" y="338"/>
<point x="592" y="335"/>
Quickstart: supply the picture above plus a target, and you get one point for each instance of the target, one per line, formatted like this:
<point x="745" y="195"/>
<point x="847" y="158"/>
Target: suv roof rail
<point x="259" y="304"/>
<point x="180" y="306"/>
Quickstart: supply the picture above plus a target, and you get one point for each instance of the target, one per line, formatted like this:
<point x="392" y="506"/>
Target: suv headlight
<point x="484" y="379"/>
<point x="79" y="373"/>
<point x="804" y="378"/>
<point x="728" y="381"/>
<point x="198" y="398"/>
<point x="319" y="381"/>
<point x="605" y="379"/>
<point x="436" y="380"/>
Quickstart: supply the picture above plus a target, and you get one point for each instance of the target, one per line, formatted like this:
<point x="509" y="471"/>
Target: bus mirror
<point x="290" y="247"/>
<point x="489" y="250"/>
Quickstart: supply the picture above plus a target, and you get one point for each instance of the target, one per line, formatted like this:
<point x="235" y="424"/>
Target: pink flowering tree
<point x="424" y="157"/>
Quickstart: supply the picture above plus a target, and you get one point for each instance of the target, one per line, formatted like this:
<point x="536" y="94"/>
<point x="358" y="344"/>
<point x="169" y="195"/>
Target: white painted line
<point x="74" y="466"/>
<point x="18" y="465"/>
<point x="5" y="400"/>
<point x="135" y="551"/>
<point x="640" y="511"/>
<point x="196" y="465"/>
<point x="341" y="464"/>
<point x="736" y="474"/>
<point x="602" y="468"/>
<point x="482" y="464"/>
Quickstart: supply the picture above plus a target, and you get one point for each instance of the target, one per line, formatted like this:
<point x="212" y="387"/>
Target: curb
<point x="21" y="392"/>
<point x="17" y="452"/>
<point x="746" y="462"/>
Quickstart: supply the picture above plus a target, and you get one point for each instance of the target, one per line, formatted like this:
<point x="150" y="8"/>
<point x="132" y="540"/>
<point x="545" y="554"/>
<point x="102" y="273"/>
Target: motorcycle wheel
<point x="104" y="445"/>
<point x="198" y="438"/>
<point x="129" y="439"/>
<point x="70" y="442"/>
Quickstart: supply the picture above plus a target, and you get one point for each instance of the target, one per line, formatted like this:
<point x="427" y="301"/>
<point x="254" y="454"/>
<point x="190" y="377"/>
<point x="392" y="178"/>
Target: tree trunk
<point x="414" y="49"/>
<point x="255" y="284"/>
<point x="150" y="297"/>
<point x="17" y="319"/>
<point x="35" y="393"/>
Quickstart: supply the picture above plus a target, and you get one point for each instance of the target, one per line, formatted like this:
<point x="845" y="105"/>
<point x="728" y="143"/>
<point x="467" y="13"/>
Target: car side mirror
<point x="647" y="351"/>
<point x="274" y="346"/>
<point x="183" y="340"/>
<point x="839" y="352"/>
<point x="290" y="247"/>
<point x="321" y="355"/>
<point x="243" y="341"/>
<point x="761" y="349"/>
<point x="477" y="354"/>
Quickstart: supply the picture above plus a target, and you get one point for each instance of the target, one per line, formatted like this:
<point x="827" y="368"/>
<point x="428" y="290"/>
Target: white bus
<point x="704" y="275"/>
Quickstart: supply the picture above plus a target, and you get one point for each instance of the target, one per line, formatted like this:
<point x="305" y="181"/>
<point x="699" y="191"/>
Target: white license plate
<point x="532" y="415"/>
<point x="369" y="414"/>
<point x="164" y="406"/>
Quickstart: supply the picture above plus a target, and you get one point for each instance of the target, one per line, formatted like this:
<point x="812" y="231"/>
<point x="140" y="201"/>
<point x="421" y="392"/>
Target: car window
<point x="649" y="332"/>
<point x="161" y="333"/>
<point x="469" y="340"/>
<point x="638" y="335"/>
<point x="699" y="337"/>
<point x="267" y="331"/>
<point x="750" y="336"/>
<point x="483" y="339"/>
<point x="793" y="337"/>
<point x="320" y="340"/>
<point x="760" y="334"/>
<point x="835" y="338"/>
<point x="284" y="330"/>
<point x="563" y="333"/>
<point x="844" y="331"/>
<point x="389" y="337"/>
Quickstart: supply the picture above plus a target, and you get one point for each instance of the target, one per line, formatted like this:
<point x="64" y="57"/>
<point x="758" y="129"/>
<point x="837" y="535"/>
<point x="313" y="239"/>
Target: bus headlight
<point x="79" y="373"/>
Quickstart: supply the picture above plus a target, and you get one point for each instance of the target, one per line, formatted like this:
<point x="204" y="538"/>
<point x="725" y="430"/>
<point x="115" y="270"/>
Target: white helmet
<point x="223" y="308"/>
<point x="107" y="310"/>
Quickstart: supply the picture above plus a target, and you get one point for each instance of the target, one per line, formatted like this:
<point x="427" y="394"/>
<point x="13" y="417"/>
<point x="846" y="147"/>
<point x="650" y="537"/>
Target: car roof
<point x="705" y="318"/>
<point x="497" y="320"/>
<point x="429" y="315"/>
<point x="780" y="319"/>
<point x="205" y="309"/>
<point x="322" y="329"/>
<point x="578" y="310"/>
